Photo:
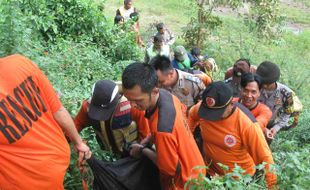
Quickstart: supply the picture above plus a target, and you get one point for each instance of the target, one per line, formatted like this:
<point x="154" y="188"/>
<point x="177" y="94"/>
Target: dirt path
<point x="296" y="27"/>
<point x="298" y="5"/>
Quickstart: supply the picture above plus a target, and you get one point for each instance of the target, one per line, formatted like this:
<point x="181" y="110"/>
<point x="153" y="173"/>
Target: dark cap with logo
<point x="104" y="99"/>
<point x="215" y="98"/>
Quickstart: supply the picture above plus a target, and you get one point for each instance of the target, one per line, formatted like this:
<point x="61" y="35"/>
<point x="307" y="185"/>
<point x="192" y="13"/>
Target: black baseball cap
<point x="215" y="98"/>
<point x="103" y="101"/>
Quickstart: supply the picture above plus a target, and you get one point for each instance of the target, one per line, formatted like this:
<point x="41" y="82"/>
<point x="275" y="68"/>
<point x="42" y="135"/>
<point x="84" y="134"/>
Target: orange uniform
<point x="34" y="153"/>
<point x="234" y="140"/>
<point x="177" y="152"/>
<point x="261" y="113"/>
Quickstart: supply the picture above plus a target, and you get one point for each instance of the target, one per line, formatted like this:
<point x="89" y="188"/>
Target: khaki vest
<point x="115" y="139"/>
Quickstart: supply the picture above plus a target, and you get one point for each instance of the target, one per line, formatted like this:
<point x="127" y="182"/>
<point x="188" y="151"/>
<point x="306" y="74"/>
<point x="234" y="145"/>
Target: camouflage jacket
<point x="281" y="102"/>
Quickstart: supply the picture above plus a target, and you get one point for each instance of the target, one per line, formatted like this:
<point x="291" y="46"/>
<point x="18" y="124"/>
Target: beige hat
<point x="180" y="53"/>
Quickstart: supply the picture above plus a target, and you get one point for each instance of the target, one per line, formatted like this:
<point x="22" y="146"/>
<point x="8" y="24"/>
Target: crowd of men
<point x="152" y="112"/>
<point x="162" y="43"/>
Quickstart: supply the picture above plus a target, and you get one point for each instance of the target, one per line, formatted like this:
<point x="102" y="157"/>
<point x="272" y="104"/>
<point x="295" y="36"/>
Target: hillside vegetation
<point x="75" y="43"/>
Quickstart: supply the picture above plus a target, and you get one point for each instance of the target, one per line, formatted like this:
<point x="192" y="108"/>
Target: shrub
<point x="17" y="33"/>
<point x="64" y="17"/>
<point x="25" y="23"/>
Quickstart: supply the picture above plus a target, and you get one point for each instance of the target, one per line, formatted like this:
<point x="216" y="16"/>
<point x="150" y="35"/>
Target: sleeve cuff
<point x="277" y="127"/>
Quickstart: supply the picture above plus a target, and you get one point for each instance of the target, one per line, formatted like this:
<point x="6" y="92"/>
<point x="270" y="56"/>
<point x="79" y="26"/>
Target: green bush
<point x="81" y="65"/>
<point x="72" y="54"/>
<point x="64" y="17"/>
<point x="293" y="168"/>
<point x="236" y="180"/>
<point x="24" y="24"/>
<point x="17" y="33"/>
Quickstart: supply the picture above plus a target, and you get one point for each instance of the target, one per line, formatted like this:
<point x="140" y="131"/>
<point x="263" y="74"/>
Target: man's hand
<point x="135" y="150"/>
<point x="270" y="134"/>
<point x="64" y="120"/>
<point x="273" y="131"/>
<point x="84" y="154"/>
<point x="146" y="140"/>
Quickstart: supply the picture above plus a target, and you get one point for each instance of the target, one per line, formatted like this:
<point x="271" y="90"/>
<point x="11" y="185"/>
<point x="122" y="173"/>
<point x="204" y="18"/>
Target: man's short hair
<point x="160" y="26"/>
<point x="162" y="63"/>
<point x="195" y="51"/>
<point x="245" y="60"/>
<point x="127" y="1"/>
<point x="250" y="77"/>
<point x="158" y="38"/>
<point x="141" y="74"/>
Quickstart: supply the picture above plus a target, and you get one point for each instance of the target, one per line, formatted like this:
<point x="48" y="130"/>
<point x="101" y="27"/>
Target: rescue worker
<point x="34" y="151"/>
<point x="115" y="122"/>
<point x="250" y="92"/>
<point x="176" y="151"/>
<point x="229" y="133"/>
<point x="187" y="87"/>
<point x="282" y="101"/>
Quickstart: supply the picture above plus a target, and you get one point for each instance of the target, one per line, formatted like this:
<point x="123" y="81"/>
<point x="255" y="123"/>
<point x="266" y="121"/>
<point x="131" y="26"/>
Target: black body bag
<point x="125" y="174"/>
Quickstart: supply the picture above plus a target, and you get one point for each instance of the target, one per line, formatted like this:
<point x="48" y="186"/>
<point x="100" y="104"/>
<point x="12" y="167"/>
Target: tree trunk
<point x="200" y="37"/>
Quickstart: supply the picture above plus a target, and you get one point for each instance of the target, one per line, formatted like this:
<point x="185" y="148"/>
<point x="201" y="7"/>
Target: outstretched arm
<point x="65" y="121"/>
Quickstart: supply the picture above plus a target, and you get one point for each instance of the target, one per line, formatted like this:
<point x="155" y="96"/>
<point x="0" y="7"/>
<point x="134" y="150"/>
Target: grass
<point x="305" y="2"/>
<point x="296" y="14"/>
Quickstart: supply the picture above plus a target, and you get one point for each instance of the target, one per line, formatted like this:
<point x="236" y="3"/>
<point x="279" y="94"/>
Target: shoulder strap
<point x="192" y="78"/>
